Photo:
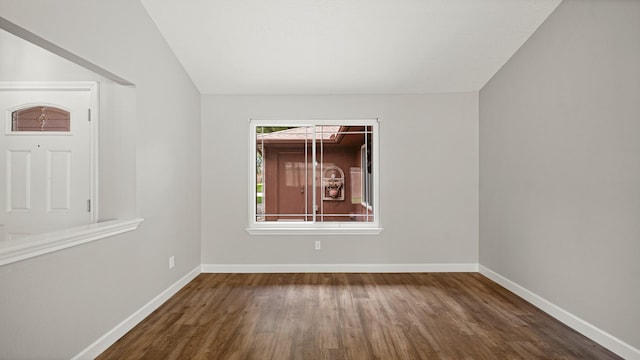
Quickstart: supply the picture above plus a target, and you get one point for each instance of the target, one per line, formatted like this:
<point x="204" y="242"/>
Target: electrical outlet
<point x="172" y="262"/>
<point x="317" y="244"/>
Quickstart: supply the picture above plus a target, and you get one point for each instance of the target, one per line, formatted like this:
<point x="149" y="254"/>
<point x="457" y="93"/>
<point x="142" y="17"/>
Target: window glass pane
<point x="40" y="118"/>
<point x="283" y="173"/>
<point x="320" y="173"/>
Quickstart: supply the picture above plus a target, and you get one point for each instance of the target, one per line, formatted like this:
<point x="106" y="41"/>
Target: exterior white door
<point x="46" y="159"/>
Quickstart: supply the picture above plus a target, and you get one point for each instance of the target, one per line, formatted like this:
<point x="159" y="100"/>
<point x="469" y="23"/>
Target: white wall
<point x="560" y="165"/>
<point x="56" y="305"/>
<point x="24" y="61"/>
<point x="428" y="180"/>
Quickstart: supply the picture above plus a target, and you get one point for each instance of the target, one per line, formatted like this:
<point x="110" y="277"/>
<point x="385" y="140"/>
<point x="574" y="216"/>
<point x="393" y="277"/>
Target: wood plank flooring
<point x="350" y="316"/>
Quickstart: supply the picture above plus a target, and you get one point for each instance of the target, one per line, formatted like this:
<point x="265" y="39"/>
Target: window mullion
<point x="306" y="174"/>
<point x="313" y="174"/>
<point x="365" y="171"/>
<point x="321" y="172"/>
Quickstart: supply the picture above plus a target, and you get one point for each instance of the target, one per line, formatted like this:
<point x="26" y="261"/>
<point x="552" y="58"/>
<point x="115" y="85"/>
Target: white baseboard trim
<point x="594" y="333"/>
<point x="108" y="339"/>
<point x="332" y="268"/>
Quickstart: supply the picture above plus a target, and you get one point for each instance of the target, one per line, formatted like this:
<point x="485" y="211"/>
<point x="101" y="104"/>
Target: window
<point x="313" y="177"/>
<point x="41" y="118"/>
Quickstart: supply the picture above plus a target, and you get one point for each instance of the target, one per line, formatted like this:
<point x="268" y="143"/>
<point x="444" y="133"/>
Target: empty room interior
<point x="320" y="179"/>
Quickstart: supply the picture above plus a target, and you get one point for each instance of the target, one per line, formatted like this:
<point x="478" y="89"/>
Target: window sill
<point x="313" y="231"/>
<point x="24" y="248"/>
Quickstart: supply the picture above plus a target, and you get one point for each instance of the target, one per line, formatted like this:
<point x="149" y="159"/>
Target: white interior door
<point x="45" y="158"/>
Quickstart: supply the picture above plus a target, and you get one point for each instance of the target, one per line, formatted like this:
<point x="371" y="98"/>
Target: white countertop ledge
<point x="35" y="245"/>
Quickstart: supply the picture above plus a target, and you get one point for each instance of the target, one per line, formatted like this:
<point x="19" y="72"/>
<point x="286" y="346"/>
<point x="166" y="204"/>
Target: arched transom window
<point x="41" y="118"/>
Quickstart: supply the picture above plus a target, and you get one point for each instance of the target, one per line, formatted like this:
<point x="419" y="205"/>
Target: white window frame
<point x="365" y="183"/>
<point x="310" y="227"/>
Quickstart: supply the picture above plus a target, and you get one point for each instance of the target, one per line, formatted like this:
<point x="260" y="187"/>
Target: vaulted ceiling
<point x="345" y="46"/>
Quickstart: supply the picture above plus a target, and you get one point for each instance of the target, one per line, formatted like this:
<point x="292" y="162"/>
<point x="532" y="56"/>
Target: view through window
<point x="315" y="172"/>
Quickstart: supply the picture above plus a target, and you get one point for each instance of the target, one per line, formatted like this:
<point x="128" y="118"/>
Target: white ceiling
<point x="345" y="46"/>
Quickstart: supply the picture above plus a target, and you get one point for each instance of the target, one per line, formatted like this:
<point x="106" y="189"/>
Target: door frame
<point x="93" y="88"/>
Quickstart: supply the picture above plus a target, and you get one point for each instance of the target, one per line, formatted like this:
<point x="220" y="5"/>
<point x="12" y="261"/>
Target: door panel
<point x="59" y="180"/>
<point x="46" y="172"/>
<point x="18" y="180"/>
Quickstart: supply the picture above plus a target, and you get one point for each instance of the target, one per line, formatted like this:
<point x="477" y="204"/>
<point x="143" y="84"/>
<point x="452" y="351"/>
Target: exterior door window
<point x="41" y="118"/>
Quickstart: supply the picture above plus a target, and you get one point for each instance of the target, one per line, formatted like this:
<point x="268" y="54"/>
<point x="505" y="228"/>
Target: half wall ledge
<point x="24" y="248"/>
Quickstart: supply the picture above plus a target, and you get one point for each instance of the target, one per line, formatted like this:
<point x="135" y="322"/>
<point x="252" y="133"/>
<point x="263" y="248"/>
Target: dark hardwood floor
<point x="350" y="316"/>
